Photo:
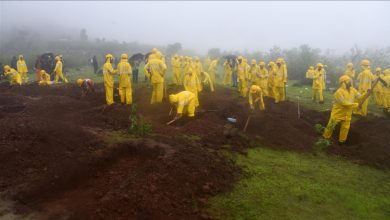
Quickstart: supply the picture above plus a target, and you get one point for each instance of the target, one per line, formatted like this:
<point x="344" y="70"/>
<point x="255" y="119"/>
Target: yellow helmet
<point x="154" y="50"/>
<point x="378" y="69"/>
<point x="79" y="82"/>
<point x="6" y="67"/>
<point x="20" y="56"/>
<point x="57" y="58"/>
<point x="254" y="89"/>
<point x="279" y="60"/>
<point x="124" y="56"/>
<point x="320" y="65"/>
<point x="239" y="57"/>
<point x="262" y="63"/>
<point x="253" y="61"/>
<point x="365" y="63"/>
<point x="344" y="78"/>
<point x="386" y="72"/>
<point x="349" y="64"/>
<point x="311" y="67"/>
<point x="42" y="72"/>
<point x="271" y="63"/>
<point x="109" y="56"/>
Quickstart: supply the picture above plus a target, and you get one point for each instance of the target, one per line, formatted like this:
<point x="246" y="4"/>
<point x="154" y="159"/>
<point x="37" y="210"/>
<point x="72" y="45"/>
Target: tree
<point x="173" y="48"/>
<point x="214" y="52"/>
<point x="83" y="35"/>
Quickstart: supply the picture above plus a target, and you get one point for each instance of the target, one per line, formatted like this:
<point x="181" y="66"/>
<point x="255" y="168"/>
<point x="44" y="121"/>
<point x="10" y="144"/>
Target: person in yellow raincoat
<point x="213" y="70"/>
<point x="386" y="90"/>
<point x="256" y="96"/>
<point x="125" y="74"/>
<point x="191" y="83"/>
<point x="227" y="76"/>
<point x="176" y="70"/>
<point x="197" y="66"/>
<point x="22" y="69"/>
<point x="263" y="78"/>
<point x="253" y="73"/>
<point x="378" y="89"/>
<point x="345" y="101"/>
<point x="155" y="70"/>
<point x="310" y="73"/>
<point x="13" y="75"/>
<point x="364" y="79"/>
<point x="108" y="77"/>
<point x="280" y="81"/>
<point x="242" y="75"/>
<point x="185" y="103"/>
<point x="206" y="63"/>
<point x="205" y="80"/>
<point x="45" y="79"/>
<point x="350" y="71"/>
<point x="271" y="79"/>
<point x="318" y="84"/>
<point x="58" y="70"/>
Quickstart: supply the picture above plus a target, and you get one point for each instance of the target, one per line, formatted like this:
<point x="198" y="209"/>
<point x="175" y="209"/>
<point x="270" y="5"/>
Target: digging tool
<point x="368" y="93"/>
<point x="299" y="110"/>
<point x="247" y="123"/>
<point x="173" y="120"/>
<point x="170" y="111"/>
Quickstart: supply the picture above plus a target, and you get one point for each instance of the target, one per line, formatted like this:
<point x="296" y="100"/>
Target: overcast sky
<point x="230" y="25"/>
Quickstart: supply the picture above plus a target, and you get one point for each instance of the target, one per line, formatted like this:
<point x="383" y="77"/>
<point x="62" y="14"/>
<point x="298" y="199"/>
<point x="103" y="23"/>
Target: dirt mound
<point x="54" y="162"/>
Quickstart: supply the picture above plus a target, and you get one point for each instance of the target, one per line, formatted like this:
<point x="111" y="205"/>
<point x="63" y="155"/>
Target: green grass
<point x="287" y="185"/>
<point x="305" y="98"/>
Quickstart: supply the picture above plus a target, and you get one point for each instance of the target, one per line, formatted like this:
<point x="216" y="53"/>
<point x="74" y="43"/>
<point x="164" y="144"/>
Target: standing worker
<point x="108" y="77"/>
<point x="386" y="91"/>
<point x="95" y="64"/>
<point x="13" y="75"/>
<point x="242" y="76"/>
<point x="176" y="65"/>
<point x="318" y="84"/>
<point x="365" y="79"/>
<point x="22" y="69"/>
<point x="263" y="78"/>
<point x="280" y="81"/>
<point x="256" y="96"/>
<point x="191" y="83"/>
<point x="227" y="76"/>
<point x="350" y="71"/>
<point x="253" y="73"/>
<point x="213" y="70"/>
<point x="155" y="71"/>
<point x="344" y="103"/>
<point x="125" y="71"/>
<point x="378" y="89"/>
<point x="58" y="70"/>
<point x="271" y="79"/>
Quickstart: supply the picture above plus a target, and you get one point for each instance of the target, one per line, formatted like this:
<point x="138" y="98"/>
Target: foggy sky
<point x="203" y="25"/>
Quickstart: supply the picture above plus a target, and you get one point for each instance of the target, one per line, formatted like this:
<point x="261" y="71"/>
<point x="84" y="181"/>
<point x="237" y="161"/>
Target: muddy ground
<point x="56" y="162"/>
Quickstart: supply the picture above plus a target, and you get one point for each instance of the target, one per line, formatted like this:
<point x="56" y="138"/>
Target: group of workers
<point x="253" y="80"/>
<point x="19" y="75"/>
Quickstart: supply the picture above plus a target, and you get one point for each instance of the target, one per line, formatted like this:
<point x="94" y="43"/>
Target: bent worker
<point x="256" y="96"/>
<point x="45" y="78"/>
<point x="205" y="79"/>
<point x="155" y="71"/>
<point x="58" y="70"/>
<point x="22" y="69"/>
<point x="344" y="103"/>
<point x="86" y="85"/>
<point x="185" y="103"/>
<point x="125" y="88"/>
<point x="13" y="75"/>
<point x="318" y="85"/>
<point x="365" y="79"/>
<point x="108" y="77"/>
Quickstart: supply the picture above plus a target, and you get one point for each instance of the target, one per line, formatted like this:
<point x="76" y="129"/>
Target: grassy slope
<point x="287" y="185"/>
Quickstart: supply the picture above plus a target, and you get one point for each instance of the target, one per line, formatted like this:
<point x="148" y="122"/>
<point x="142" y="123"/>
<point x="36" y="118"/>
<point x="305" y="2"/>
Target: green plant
<point x="138" y="125"/>
<point x="321" y="144"/>
<point x="319" y="128"/>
